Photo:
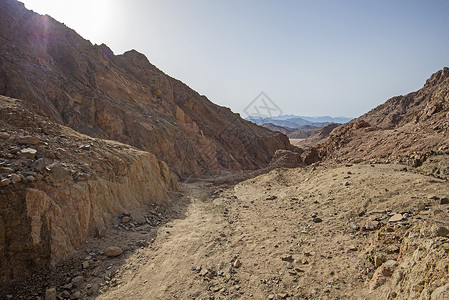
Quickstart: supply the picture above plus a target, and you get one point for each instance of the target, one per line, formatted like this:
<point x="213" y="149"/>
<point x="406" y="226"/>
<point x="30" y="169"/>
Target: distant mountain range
<point x="292" y="121"/>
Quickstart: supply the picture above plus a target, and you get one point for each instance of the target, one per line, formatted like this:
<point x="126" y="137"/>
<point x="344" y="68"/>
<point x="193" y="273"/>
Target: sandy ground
<point x="288" y="234"/>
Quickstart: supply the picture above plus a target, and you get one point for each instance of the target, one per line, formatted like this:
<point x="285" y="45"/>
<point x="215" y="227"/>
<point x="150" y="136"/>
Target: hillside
<point x="410" y="129"/>
<point x="123" y="98"/>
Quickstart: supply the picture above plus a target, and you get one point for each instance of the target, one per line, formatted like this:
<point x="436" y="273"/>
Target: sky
<point x="337" y="58"/>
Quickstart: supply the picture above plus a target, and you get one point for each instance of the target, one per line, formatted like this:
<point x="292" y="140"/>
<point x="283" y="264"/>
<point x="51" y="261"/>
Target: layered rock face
<point x="58" y="186"/>
<point x="123" y="97"/>
<point x="408" y="129"/>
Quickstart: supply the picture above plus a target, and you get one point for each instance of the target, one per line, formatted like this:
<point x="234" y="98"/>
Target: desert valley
<point x="118" y="181"/>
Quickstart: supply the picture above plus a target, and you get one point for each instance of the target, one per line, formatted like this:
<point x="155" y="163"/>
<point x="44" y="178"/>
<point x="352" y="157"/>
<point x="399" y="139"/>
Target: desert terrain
<point x="118" y="181"/>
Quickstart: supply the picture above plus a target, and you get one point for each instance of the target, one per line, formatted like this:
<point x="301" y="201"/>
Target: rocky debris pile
<point x="57" y="187"/>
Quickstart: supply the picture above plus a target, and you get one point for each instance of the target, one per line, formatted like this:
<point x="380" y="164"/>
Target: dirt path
<point x="296" y="234"/>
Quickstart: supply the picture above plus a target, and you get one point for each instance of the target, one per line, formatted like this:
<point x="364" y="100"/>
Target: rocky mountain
<point x="58" y="186"/>
<point x="410" y="129"/>
<point x="284" y="130"/>
<point x="124" y="98"/>
<point x="297" y="122"/>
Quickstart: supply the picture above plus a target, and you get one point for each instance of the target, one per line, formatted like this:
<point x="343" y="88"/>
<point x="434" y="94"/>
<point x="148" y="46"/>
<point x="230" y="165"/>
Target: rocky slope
<point x="123" y="97"/>
<point x="410" y="129"/>
<point x="58" y="186"/>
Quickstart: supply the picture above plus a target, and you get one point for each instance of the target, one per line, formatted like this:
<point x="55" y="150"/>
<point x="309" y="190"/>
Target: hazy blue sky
<point x="310" y="57"/>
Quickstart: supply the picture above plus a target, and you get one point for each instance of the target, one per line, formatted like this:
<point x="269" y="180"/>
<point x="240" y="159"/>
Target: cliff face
<point x="58" y="186"/>
<point x="123" y="97"/>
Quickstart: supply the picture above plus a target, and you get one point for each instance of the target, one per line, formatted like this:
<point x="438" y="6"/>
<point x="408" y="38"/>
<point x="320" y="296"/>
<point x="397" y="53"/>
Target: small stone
<point x="5" y="182"/>
<point x="204" y="272"/>
<point x="113" y="251"/>
<point x="439" y="231"/>
<point x="286" y="257"/>
<point x="352" y="248"/>
<point x="7" y="170"/>
<point x="100" y="231"/>
<point x="15" y="178"/>
<point x="27" y="153"/>
<point x="236" y="263"/>
<point x="76" y="295"/>
<point x="353" y="226"/>
<point x="378" y="261"/>
<point x="4" y="135"/>
<point x="317" y="220"/>
<point x="432" y="197"/>
<point x="289" y="265"/>
<point x="30" y="140"/>
<point x="126" y="219"/>
<point x="65" y="295"/>
<point x="76" y="281"/>
<point x="396" y="218"/>
<point x="85" y="264"/>
<point x="444" y="200"/>
<point x="39" y="165"/>
<point x="282" y="295"/>
<point x="50" y="294"/>
<point x="270" y="297"/>
<point x="347" y="183"/>
<point x="271" y="198"/>
<point x="85" y="147"/>
<point x="68" y="286"/>
<point x="30" y="178"/>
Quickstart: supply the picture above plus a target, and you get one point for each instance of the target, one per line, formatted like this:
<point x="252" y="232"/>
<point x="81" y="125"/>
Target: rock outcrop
<point x="60" y="186"/>
<point x="407" y="129"/>
<point x="123" y="98"/>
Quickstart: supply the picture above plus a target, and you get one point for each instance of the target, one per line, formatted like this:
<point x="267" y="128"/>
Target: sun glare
<point x="91" y="19"/>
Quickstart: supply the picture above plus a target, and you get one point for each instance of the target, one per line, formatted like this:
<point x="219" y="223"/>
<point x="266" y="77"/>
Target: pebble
<point x="27" y="153"/>
<point x="396" y="218"/>
<point x="126" y="219"/>
<point x="30" y="178"/>
<point x="378" y="261"/>
<point x="30" y="140"/>
<point x="444" y="200"/>
<point x="15" y="178"/>
<point x="5" y="182"/>
<point x="353" y="226"/>
<point x="236" y="263"/>
<point x="317" y="220"/>
<point x="86" y="264"/>
<point x="286" y="257"/>
<point x="50" y="294"/>
<point x="271" y="198"/>
<point x="4" y="135"/>
<point x="76" y="295"/>
<point x="65" y="295"/>
<point x="113" y="251"/>
<point x="76" y="281"/>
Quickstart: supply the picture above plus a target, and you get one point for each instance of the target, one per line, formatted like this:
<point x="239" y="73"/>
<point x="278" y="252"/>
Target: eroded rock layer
<point x="59" y="186"/>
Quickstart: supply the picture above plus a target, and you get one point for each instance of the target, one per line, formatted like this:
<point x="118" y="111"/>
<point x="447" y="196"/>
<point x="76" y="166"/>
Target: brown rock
<point x="30" y="140"/>
<point x="378" y="261"/>
<point x="50" y="294"/>
<point x="4" y="135"/>
<point x="5" y="182"/>
<point x="113" y="251"/>
<point x="27" y="153"/>
<point x="236" y="263"/>
<point x="444" y="200"/>
<point x="15" y="178"/>
<point x="396" y="218"/>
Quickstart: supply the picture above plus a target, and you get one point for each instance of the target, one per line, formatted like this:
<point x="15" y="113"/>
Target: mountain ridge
<point x="124" y="98"/>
